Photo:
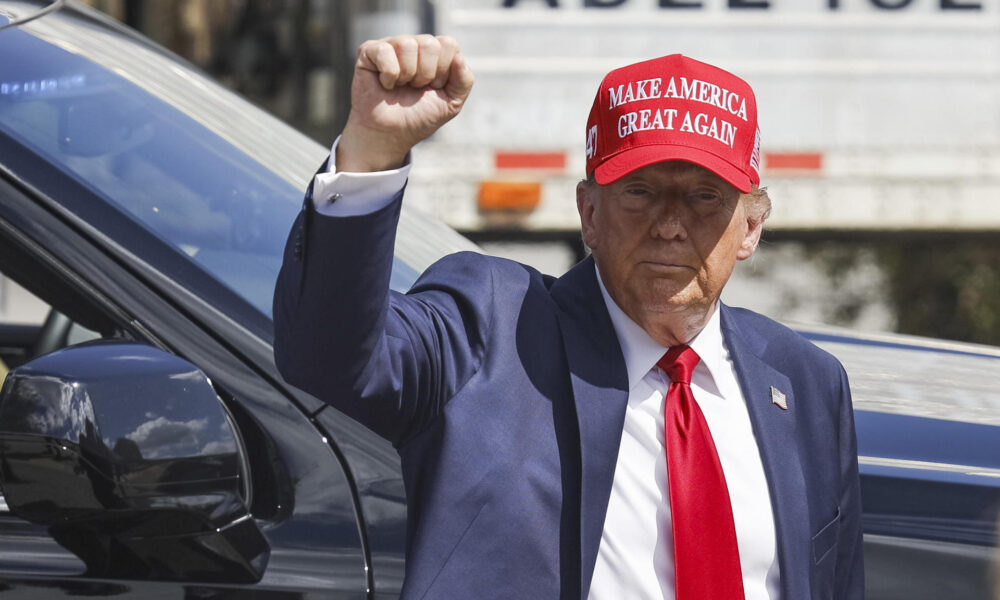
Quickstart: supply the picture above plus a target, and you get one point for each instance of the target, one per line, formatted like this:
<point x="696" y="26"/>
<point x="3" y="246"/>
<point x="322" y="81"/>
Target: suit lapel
<point x="774" y="429"/>
<point x="600" y="389"/>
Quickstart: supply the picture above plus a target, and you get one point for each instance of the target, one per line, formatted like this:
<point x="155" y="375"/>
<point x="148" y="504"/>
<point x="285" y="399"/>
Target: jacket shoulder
<point x="476" y="269"/>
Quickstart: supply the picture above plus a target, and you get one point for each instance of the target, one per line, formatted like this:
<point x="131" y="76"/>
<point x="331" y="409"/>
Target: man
<point x="614" y="433"/>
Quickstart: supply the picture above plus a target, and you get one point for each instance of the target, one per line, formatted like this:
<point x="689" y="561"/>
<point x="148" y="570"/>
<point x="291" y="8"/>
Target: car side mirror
<point x="131" y="459"/>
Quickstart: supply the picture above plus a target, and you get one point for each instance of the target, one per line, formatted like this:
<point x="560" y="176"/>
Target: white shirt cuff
<point x="349" y="194"/>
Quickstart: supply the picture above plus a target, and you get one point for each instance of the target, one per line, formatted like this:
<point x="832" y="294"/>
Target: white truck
<point x="876" y="115"/>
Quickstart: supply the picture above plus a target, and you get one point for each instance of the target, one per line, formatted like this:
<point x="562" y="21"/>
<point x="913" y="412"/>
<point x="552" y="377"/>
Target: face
<point x="666" y="238"/>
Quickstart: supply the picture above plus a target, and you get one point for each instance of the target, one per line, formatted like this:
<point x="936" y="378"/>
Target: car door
<point x="300" y="496"/>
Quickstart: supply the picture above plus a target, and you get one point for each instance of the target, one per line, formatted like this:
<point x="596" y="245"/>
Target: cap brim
<point x="634" y="159"/>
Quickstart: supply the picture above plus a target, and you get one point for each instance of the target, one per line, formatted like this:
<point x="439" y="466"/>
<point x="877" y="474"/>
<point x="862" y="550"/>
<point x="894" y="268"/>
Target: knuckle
<point x="405" y="43"/>
<point x="368" y="47"/>
<point x="447" y="41"/>
<point x="428" y="43"/>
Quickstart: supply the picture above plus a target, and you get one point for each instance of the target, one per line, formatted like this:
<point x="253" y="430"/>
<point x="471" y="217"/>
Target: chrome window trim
<point x="920" y="465"/>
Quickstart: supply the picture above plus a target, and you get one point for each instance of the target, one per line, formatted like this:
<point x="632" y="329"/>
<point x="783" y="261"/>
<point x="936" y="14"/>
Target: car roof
<point x="900" y="374"/>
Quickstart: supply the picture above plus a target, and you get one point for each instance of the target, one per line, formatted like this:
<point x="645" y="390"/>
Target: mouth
<point x="666" y="266"/>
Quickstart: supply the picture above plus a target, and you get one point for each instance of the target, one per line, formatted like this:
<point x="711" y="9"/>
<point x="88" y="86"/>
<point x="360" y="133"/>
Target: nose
<point x="670" y="219"/>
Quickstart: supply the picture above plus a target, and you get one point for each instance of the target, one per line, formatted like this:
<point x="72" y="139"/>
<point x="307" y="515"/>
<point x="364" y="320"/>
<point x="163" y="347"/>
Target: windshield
<point x="211" y="176"/>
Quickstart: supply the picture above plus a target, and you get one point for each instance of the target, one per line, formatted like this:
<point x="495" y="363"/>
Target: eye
<point x="705" y="196"/>
<point x="705" y="200"/>
<point x="636" y="191"/>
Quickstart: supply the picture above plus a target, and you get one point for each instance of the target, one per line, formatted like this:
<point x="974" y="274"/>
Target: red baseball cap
<point x="674" y="108"/>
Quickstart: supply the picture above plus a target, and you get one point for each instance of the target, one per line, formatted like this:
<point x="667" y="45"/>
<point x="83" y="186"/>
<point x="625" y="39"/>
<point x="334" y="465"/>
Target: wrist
<point x="365" y="151"/>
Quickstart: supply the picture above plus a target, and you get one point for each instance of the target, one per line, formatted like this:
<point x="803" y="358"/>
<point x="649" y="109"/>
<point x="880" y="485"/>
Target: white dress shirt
<point x="636" y="556"/>
<point x="635" y="560"/>
<point x="347" y="194"/>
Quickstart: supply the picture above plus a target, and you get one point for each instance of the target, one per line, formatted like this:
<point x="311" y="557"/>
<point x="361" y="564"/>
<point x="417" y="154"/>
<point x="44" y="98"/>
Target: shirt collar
<point x="642" y="352"/>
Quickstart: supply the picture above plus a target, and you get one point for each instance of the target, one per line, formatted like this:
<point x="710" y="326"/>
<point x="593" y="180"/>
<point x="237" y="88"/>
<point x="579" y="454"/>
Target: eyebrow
<point x="688" y="169"/>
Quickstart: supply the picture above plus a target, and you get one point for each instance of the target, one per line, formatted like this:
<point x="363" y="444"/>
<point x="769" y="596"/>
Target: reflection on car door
<point x="302" y="500"/>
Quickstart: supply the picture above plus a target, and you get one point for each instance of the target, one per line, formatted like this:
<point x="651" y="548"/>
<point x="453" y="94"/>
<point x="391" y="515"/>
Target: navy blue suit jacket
<point x="504" y="392"/>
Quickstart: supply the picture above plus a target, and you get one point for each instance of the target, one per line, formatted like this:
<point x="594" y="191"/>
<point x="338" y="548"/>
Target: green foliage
<point x="945" y="289"/>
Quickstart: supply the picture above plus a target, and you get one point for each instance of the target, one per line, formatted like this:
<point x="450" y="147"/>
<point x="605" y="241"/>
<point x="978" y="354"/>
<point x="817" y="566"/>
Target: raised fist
<point x="404" y="88"/>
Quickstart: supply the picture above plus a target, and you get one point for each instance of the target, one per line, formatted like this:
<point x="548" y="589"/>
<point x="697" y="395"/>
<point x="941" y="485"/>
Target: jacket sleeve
<point x="849" y="579"/>
<point x="388" y="360"/>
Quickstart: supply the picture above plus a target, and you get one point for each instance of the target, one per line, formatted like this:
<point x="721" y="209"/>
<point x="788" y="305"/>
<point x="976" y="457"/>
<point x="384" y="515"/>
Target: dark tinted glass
<point x="173" y="171"/>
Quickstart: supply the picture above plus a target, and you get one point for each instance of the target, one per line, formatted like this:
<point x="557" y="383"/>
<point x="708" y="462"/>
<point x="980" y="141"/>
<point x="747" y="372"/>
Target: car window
<point x="24" y="317"/>
<point x="195" y="191"/>
<point x="18" y="308"/>
<point x="212" y="177"/>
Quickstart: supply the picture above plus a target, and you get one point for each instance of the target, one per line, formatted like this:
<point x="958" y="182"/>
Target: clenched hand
<point x="404" y="89"/>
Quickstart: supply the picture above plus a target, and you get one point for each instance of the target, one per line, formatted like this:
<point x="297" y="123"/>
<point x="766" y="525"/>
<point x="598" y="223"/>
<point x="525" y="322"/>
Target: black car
<point x="148" y="446"/>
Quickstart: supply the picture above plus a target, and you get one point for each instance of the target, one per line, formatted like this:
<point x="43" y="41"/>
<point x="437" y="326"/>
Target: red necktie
<point x="706" y="558"/>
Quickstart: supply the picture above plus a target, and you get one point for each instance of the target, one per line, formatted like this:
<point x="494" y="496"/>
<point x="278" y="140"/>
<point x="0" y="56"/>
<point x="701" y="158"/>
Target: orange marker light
<point x="509" y="196"/>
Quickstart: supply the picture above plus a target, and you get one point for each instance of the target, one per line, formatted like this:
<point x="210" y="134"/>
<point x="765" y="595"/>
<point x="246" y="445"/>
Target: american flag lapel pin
<point x="778" y="398"/>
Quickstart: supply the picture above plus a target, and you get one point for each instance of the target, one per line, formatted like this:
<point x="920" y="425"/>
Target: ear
<point x="755" y="227"/>
<point x="585" y="205"/>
